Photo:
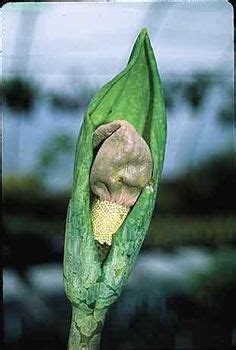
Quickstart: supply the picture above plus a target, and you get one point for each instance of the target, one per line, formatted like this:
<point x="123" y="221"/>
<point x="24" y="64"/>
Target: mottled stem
<point x="85" y="331"/>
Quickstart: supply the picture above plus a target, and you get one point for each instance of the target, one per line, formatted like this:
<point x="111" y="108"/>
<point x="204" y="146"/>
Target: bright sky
<point x="64" y="45"/>
<point x="96" y="39"/>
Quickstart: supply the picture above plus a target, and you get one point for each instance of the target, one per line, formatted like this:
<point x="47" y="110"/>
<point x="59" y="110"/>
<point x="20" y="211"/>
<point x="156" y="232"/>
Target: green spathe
<point x="135" y="95"/>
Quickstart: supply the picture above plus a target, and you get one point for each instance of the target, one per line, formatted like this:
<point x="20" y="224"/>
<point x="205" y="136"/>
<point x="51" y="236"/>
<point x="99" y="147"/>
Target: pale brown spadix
<point x="121" y="169"/>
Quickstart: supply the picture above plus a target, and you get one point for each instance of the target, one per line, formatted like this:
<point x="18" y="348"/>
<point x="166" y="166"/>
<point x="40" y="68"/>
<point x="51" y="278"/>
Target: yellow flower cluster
<point x="107" y="217"/>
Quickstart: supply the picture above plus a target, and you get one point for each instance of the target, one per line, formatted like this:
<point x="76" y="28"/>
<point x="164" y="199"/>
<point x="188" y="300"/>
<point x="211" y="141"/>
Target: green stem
<point x="85" y="331"/>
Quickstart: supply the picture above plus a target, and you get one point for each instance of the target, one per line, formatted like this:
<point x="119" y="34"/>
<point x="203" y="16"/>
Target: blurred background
<point x="55" y="57"/>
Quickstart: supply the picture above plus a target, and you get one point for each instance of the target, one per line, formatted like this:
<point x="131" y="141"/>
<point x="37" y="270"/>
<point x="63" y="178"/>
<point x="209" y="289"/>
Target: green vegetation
<point x="53" y="152"/>
<point x="21" y="185"/>
<point x="64" y="102"/>
<point x="165" y="232"/>
<point x="168" y="232"/>
<point x="19" y="94"/>
<point x="205" y="189"/>
<point x="188" y="211"/>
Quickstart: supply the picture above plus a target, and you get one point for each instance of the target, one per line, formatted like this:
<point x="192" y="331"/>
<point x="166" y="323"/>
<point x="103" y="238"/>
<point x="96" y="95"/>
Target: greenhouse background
<point x="55" y="57"/>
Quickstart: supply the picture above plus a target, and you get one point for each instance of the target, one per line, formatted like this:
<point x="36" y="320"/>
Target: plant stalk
<point x="85" y="331"/>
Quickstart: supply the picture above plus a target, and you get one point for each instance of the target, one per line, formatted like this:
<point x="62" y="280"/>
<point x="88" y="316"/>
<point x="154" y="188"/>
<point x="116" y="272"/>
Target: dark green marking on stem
<point x="85" y="331"/>
<point x="135" y="95"/>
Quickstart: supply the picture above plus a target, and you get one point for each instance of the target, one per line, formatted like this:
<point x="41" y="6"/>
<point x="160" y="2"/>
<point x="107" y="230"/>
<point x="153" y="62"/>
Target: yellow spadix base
<point x="107" y="217"/>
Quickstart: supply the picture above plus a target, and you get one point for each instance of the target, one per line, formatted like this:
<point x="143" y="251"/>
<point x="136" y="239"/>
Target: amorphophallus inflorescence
<point x="118" y="165"/>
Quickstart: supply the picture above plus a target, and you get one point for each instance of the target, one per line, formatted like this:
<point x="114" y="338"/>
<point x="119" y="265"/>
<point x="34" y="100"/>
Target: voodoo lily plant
<point x="118" y="165"/>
